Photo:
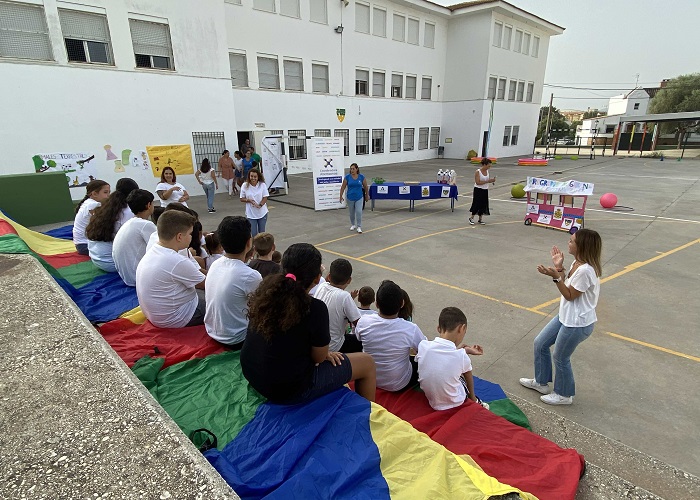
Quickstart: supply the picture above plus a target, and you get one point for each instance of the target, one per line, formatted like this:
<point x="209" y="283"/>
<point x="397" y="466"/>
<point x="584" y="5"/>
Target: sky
<point x="606" y="43"/>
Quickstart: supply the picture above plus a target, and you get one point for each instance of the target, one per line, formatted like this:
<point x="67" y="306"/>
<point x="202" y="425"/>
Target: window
<point x="208" y="145"/>
<point x="379" y="22"/>
<point x="423" y="134"/>
<point x="399" y="27"/>
<point x="411" y="87"/>
<point x="268" y="72"/>
<point x="322" y="132"/>
<point x="86" y="36"/>
<point x="345" y="134"/>
<point x="636" y="105"/>
<point x="412" y="33"/>
<point x="497" y="34"/>
<point x="514" y="135"/>
<point x="511" y="90"/>
<point x="234" y="2"/>
<point x="297" y="144"/>
<point x="378" y="83"/>
<point x="610" y="129"/>
<point x="507" y="35"/>
<point x="378" y="140"/>
<point x="396" y="85"/>
<point x="530" y="90"/>
<point x="319" y="78"/>
<point x="23" y="32"/>
<point x="293" y="75"/>
<point x="501" y="89"/>
<point x="151" y="44"/>
<point x="266" y="5"/>
<point x="239" y="69"/>
<point x="536" y="46"/>
<point x="506" y="136"/>
<point x="521" y="90"/>
<point x="318" y="11"/>
<point x="426" y="88"/>
<point x="289" y="8"/>
<point x="491" y="93"/>
<point x="276" y="132"/>
<point x="526" y="43"/>
<point x="429" y="36"/>
<point x="434" y="137"/>
<point x="362" y="143"/>
<point x="395" y="140"/>
<point x="518" y="40"/>
<point x="408" y="134"/>
<point x="361" y="82"/>
<point x="362" y="18"/>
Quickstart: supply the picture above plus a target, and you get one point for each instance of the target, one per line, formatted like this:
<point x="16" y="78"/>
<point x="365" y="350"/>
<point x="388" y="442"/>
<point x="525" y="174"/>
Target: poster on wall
<point x="273" y="161"/>
<point x="80" y="168"/>
<point x="178" y="157"/>
<point x="328" y="166"/>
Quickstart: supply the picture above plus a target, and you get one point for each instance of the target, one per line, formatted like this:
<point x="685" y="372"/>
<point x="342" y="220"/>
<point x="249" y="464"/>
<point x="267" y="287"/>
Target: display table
<point x="413" y="192"/>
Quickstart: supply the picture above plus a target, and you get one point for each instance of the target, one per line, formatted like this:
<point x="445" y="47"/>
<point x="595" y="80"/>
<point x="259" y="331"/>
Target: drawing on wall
<point x="78" y="167"/>
<point x="119" y="167"/>
<point x="126" y="157"/>
<point x="110" y="155"/>
<point x="178" y="157"/>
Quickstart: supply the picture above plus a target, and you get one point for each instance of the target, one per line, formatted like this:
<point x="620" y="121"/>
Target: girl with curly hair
<point x="285" y="356"/>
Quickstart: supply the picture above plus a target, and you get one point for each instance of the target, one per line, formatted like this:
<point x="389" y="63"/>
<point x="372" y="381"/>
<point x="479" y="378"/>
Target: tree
<point x="594" y="113"/>
<point x="681" y="94"/>
<point x="558" y="127"/>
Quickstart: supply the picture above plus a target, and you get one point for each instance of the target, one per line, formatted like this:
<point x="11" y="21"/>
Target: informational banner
<point x="549" y="186"/>
<point x="328" y="165"/>
<point x="79" y="168"/>
<point x="273" y="162"/>
<point x="178" y="157"/>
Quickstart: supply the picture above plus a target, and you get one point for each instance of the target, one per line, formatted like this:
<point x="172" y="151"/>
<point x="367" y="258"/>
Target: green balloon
<point x="517" y="191"/>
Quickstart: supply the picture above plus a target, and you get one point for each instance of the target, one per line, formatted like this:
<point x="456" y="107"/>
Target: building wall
<point x="624" y="105"/>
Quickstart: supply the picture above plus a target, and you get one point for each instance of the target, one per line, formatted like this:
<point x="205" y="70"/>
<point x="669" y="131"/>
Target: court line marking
<point x="652" y="346"/>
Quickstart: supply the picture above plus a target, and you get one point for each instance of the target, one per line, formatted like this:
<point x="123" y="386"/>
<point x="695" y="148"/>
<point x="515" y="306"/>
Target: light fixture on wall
<point x="345" y="2"/>
<point x="338" y="29"/>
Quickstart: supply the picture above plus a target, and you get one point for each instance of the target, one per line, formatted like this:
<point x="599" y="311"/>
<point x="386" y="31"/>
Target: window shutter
<point x="379" y="22"/>
<point x="293" y="75"/>
<point x="23" y="32"/>
<point x="84" y="25"/>
<point x="151" y="39"/>
<point x="268" y="73"/>
<point x="412" y="35"/>
<point x="239" y="70"/>
<point x="429" y="36"/>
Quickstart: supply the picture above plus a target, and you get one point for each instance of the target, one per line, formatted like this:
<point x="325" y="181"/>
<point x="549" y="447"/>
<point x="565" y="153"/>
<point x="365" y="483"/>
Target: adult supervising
<point x="480" y="201"/>
<point x="358" y="192"/>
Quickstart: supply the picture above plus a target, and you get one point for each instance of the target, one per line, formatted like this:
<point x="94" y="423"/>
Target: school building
<point x="394" y="79"/>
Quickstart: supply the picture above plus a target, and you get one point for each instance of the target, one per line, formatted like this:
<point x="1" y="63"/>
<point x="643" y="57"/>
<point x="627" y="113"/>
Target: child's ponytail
<point x="91" y="187"/>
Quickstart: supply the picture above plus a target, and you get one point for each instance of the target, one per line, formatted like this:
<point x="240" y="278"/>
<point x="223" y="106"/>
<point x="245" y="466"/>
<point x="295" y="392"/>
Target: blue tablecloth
<point x="415" y="192"/>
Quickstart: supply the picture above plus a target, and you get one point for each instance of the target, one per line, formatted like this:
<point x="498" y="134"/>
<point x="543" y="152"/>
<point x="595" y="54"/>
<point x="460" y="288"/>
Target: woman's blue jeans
<point x="565" y="339"/>
<point x="210" y="191"/>
<point x="355" y="208"/>
<point x="258" y="225"/>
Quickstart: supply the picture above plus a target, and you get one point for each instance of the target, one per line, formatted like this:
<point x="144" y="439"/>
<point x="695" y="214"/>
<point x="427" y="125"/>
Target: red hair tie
<point x="290" y="275"/>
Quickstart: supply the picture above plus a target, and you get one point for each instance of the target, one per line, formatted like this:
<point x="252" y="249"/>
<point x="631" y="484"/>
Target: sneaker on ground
<point x="482" y="223"/>
<point x="471" y="221"/>
<point x="359" y="229"/>
<point x="353" y="227"/>
<point x="556" y="399"/>
<point x="531" y="383"/>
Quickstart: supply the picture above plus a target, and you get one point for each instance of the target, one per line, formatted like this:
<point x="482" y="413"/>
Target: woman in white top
<point x="97" y="191"/>
<point x="480" y="201"/>
<point x="169" y="190"/>
<point x="254" y="194"/>
<point x="574" y="323"/>
<point x="207" y="178"/>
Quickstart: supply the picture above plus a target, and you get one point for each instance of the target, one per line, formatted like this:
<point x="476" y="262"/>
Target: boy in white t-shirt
<point x="366" y="298"/>
<point x="389" y="339"/>
<point x="444" y="367"/>
<point x="130" y="242"/>
<point x="170" y="286"/>
<point x="229" y="283"/>
<point x="341" y="306"/>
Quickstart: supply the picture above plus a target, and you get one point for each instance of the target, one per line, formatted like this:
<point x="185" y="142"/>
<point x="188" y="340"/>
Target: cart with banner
<point x="556" y="204"/>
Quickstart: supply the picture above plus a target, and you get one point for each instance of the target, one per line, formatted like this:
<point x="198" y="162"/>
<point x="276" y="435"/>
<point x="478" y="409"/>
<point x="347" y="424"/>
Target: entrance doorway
<point x="242" y="136"/>
<point x="485" y="143"/>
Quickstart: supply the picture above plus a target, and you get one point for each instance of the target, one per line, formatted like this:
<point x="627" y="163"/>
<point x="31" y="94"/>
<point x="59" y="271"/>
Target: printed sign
<point x="445" y="193"/>
<point x="558" y="213"/>
<point x="533" y="209"/>
<point x="425" y="191"/>
<point x="382" y="189"/>
<point x="544" y="219"/>
<point x="273" y="163"/>
<point x="567" y="223"/>
<point x="404" y="189"/>
<point x="327" y="163"/>
<point x="178" y="157"/>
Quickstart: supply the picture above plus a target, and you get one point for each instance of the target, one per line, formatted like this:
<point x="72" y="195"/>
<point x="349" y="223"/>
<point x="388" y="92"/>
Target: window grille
<point x="151" y="43"/>
<point x="23" y="32"/>
<point x="395" y="140"/>
<point x="293" y="76"/>
<point x="208" y="145"/>
<point x="408" y="136"/>
<point x="423" y="134"/>
<point x="434" y="137"/>
<point x="319" y="78"/>
<point x="297" y="144"/>
<point x="268" y="73"/>
<point x="378" y="140"/>
<point x="239" y="69"/>
<point x="86" y="36"/>
<point x="362" y="143"/>
<point x="322" y="132"/>
<point x="345" y="135"/>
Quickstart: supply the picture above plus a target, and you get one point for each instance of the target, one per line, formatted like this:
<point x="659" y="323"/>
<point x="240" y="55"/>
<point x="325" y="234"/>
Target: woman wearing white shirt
<point x="254" y="194"/>
<point x="169" y="190"/>
<point x="574" y="323"/>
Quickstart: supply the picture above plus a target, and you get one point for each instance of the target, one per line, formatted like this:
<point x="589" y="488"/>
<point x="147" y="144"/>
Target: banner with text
<point x="273" y="162"/>
<point x="328" y="164"/>
<point x="549" y="186"/>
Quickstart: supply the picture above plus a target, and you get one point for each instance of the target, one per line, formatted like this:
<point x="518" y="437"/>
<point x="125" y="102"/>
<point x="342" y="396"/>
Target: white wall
<point x="624" y="104"/>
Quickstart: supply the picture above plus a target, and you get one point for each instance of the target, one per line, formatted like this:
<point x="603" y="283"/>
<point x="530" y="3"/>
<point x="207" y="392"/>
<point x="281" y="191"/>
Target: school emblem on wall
<point x="340" y="113"/>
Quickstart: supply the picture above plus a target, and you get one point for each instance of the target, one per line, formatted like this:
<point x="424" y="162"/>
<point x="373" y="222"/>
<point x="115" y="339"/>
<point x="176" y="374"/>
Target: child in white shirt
<point x="366" y="298"/>
<point x="444" y="367"/>
<point x="130" y="242"/>
<point x="97" y="191"/>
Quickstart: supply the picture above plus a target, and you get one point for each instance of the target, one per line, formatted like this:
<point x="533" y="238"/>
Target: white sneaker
<point x="556" y="399"/>
<point x="359" y="229"/>
<point x="352" y="228"/>
<point x="531" y="383"/>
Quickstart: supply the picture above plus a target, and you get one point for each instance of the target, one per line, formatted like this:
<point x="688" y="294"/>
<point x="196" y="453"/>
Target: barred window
<point x="408" y="136"/>
<point x="378" y="140"/>
<point x="322" y="132"/>
<point x="395" y="140"/>
<point x="411" y="87"/>
<point x="268" y="72"/>
<point x="151" y="41"/>
<point x="293" y="75"/>
<point x="23" y="32"/>
<point x="434" y="137"/>
<point x="319" y="78"/>
<point x="378" y="83"/>
<point x="423" y="134"/>
<point x="86" y="36"/>
<point x="297" y="144"/>
<point x="208" y="145"/>
<point x="362" y="143"/>
<point x="345" y="135"/>
<point x="239" y="69"/>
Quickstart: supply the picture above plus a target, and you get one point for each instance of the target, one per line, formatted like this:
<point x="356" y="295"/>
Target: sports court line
<point x="652" y="346"/>
<point x="630" y="268"/>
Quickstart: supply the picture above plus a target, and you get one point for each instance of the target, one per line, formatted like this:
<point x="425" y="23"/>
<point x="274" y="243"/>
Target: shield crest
<point x="340" y="113"/>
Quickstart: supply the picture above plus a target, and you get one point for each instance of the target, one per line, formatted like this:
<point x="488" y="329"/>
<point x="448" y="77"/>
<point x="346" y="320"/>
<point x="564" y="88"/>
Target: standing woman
<point x="574" y="323"/>
<point x="254" y="194"/>
<point x="480" y="201"/>
<point x="97" y="192"/>
<point x="358" y="191"/>
<point x="248" y="163"/>
<point x="227" y="167"/>
<point x="207" y="179"/>
<point x="169" y="190"/>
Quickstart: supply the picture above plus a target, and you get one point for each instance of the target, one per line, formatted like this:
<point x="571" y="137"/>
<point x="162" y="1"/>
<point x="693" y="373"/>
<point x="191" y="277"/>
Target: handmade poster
<point x="567" y="223"/>
<point x="445" y="193"/>
<point x="382" y="189"/>
<point x="425" y="191"/>
<point x="139" y="159"/>
<point x="79" y="167"/>
<point x="404" y="189"/>
<point x="533" y="209"/>
<point x="558" y="213"/>
<point x="544" y="219"/>
<point x="328" y="167"/>
<point x="550" y="186"/>
<point x="178" y="157"/>
<point x="578" y="222"/>
<point x="273" y="161"/>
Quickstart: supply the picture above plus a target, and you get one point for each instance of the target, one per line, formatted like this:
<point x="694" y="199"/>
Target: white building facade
<point x="602" y="128"/>
<point x="395" y="79"/>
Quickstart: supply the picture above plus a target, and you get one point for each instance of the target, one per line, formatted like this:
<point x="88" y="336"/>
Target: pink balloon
<point x="608" y="200"/>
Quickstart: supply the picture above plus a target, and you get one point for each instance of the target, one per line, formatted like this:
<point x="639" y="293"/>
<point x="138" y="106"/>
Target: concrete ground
<point x="637" y="376"/>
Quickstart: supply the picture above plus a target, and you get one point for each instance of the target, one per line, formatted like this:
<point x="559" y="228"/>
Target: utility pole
<point x="549" y="117"/>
